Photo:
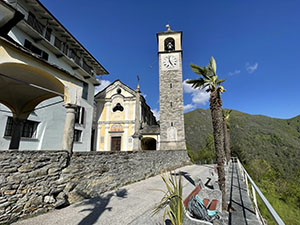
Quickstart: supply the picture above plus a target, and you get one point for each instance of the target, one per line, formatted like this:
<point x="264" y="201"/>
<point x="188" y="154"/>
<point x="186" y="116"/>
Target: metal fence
<point x="256" y="192"/>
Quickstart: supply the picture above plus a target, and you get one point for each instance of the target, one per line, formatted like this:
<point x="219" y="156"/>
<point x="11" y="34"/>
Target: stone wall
<point x="34" y="182"/>
<point x="27" y="182"/>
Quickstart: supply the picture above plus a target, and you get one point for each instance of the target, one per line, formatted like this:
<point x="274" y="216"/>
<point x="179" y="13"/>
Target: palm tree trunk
<point x="218" y="131"/>
<point x="227" y="142"/>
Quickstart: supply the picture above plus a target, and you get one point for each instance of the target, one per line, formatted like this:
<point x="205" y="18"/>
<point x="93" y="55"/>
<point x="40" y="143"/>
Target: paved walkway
<point x="239" y="200"/>
<point x="131" y="204"/>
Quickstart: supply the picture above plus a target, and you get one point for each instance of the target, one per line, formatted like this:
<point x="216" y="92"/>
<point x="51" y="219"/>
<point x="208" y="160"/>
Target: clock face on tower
<point x="170" y="62"/>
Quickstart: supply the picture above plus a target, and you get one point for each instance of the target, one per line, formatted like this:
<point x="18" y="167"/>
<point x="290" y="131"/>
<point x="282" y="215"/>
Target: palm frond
<point x="199" y="83"/>
<point x="197" y="69"/>
<point x="220" y="81"/>
<point x="213" y="65"/>
<point x="209" y="77"/>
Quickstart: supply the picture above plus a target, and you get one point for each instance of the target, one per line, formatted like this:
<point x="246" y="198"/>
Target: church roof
<point x="150" y="129"/>
<point x="169" y="31"/>
<point x="130" y="90"/>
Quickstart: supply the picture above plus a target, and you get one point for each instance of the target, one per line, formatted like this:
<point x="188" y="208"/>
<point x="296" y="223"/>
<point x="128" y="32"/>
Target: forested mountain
<point x="268" y="147"/>
<point x="252" y="137"/>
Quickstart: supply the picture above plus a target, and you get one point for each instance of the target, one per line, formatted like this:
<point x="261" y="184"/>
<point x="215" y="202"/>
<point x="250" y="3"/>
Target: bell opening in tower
<point x="169" y="44"/>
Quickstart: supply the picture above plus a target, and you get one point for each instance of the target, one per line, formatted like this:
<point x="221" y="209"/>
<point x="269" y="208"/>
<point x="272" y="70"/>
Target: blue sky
<point x="256" y="45"/>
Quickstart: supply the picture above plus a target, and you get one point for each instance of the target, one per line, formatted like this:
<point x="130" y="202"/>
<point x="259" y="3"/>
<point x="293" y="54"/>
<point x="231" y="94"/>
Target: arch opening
<point x="148" y="143"/>
<point x="169" y="44"/>
<point x="23" y="87"/>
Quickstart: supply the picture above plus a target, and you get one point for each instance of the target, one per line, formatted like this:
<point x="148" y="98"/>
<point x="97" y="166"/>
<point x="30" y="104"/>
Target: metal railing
<point x="255" y="190"/>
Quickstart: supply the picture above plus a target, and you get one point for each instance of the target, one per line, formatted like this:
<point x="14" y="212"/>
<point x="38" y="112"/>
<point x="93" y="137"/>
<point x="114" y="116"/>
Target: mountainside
<point x="252" y="137"/>
<point x="269" y="148"/>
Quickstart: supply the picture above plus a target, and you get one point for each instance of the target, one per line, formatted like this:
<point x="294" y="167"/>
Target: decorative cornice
<point x="117" y="122"/>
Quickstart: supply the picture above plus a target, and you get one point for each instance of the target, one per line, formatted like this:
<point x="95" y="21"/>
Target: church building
<point x="123" y="120"/>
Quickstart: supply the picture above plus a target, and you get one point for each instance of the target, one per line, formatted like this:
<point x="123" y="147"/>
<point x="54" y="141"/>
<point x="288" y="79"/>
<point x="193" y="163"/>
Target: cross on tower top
<point x="168" y="26"/>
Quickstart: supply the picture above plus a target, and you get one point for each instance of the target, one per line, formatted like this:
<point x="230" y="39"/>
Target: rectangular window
<point x="65" y="48"/>
<point x="36" y="50"/>
<point x="28" y="131"/>
<point x="45" y="55"/>
<point x="86" y="67"/>
<point x="9" y="125"/>
<point x="79" y="116"/>
<point x="48" y="33"/>
<point x="58" y="43"/>
<point x="171" y="85"/>
<point x="72" y="55"/>
<point x="85" y="90"/>
<point x="171" y="104"/>
<point x="34" y="23"/>
<point x="77" y="135"/>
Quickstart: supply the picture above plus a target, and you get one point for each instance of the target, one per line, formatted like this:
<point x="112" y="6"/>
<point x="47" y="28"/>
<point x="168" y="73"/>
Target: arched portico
<point x="26" y="80"/>
<point x="22" y="88"/>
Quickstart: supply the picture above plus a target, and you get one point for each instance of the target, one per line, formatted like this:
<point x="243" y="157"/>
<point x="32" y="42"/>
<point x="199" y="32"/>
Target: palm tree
<point x="226" y="117"/>
<point x="209" y="81"/>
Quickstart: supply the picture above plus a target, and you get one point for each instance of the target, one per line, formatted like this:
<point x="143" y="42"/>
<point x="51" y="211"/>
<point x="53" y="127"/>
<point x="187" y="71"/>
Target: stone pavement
<point x="131" y="204"/>
<point x="239" y="200"/>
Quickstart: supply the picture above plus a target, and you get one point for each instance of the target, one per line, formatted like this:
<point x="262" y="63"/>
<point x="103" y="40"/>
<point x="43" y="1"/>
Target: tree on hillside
<point x="209" y="80"/>
<point x="226" y="117"/>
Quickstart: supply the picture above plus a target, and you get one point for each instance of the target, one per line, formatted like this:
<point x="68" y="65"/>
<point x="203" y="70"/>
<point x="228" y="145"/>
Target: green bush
<point x="206" y="154"/>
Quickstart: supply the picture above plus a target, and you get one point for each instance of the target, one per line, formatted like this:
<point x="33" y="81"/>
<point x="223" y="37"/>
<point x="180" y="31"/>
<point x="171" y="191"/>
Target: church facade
<point x="123" y="120"/>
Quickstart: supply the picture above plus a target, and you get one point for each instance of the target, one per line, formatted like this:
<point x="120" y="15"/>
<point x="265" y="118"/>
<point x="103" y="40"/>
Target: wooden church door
<point x="116" y="143"/>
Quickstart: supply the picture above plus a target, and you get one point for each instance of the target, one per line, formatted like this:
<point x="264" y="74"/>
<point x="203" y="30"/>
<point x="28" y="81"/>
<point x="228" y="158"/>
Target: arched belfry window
<point x="118" y="107"/>
<point x="169" y="44"/>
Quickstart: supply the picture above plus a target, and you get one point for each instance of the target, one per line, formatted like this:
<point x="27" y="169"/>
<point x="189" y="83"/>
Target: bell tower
<point x="172" y="135"/>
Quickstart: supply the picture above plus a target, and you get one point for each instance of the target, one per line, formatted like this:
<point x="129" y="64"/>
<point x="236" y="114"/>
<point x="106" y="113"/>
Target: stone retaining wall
<point x="34" y="182"/>
<point x="27" y="180"/>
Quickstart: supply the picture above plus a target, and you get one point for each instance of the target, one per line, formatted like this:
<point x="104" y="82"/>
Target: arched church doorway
<point x="148" y="143"/>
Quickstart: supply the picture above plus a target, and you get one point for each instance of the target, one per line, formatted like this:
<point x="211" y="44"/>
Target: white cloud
<point x="234" y="72"/>
<point x="189" y="107"/>
<point x="199" y="96"/>
<point x="251" y="68"/>
<point x="187" y="88"/>
<point x="156" y="113"/>
<point x="103" y="84"/>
